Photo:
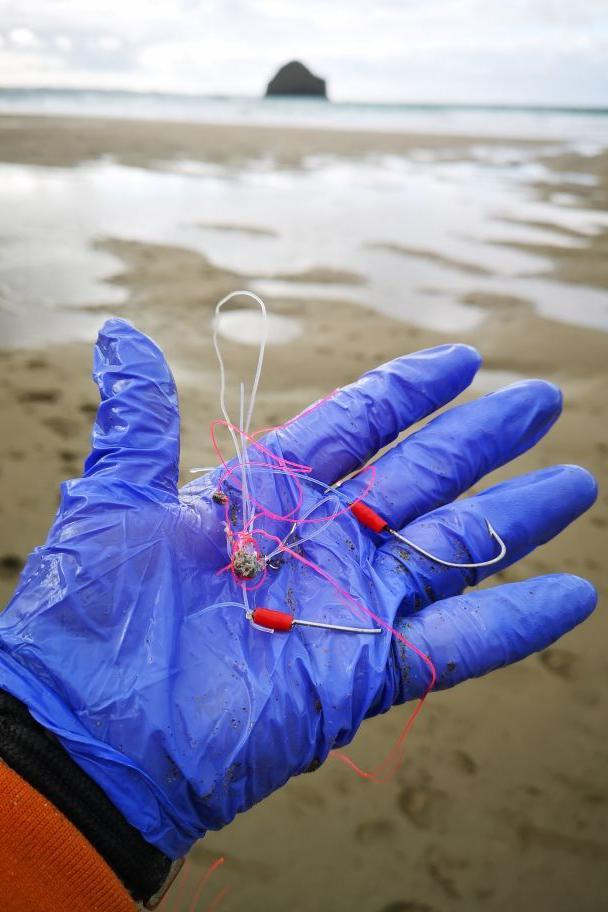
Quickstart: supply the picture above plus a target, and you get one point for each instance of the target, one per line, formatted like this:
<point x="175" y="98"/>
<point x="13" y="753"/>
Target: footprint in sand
<point x="63" y="427"/>
<point x="39" y="396"/>
<point x="444" y="870"/>
<point x="464" y="762"/>
<point x="424" y="805"/>
<point x="10" y="565"/>
<point x="67" y="455"/>
<point x="560" y="662"/>
<point x="371" y="832"/>
<point x="37" y="363"/>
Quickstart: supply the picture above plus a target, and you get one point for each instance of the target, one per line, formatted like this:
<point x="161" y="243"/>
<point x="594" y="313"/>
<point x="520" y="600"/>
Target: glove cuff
<point x="36" y="755"/>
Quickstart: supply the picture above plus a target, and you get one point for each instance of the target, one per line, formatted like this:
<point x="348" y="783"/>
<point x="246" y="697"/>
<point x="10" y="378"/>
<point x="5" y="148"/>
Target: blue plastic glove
<point x="180" y="709"/>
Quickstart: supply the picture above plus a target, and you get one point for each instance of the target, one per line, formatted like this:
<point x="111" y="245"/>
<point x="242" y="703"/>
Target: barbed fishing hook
<point x="372" y="520"/>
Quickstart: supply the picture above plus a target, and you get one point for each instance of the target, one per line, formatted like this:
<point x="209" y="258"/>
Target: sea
<point x="588" y="125"/>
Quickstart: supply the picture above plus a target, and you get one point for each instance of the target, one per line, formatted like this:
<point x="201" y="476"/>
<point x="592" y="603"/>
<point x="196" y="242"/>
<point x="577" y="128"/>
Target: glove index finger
<point x="136" y="432"/>
<point x="343" y="432"/>
<point x="453" y="451"/>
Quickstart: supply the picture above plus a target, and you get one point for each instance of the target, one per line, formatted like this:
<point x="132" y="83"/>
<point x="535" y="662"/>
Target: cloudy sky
<point x="512" y="51"/>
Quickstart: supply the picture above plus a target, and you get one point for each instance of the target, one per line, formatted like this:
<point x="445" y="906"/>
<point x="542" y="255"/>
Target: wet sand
<point x="502" y="798"/>
<point x="68" y="141"/>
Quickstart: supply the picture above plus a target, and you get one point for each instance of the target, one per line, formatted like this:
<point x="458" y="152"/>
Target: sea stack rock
<point x="296" y="79"/>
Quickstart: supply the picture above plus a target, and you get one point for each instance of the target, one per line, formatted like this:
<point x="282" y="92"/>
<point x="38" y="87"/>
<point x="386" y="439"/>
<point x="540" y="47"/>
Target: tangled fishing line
<point x="253" y="550"/>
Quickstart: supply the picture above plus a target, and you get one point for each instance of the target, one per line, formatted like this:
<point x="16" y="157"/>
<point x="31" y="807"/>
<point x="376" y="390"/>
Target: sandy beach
<point x="502" y="798"/>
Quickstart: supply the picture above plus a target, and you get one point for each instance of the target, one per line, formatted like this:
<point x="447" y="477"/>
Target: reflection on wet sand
<point x="421" y="235"/>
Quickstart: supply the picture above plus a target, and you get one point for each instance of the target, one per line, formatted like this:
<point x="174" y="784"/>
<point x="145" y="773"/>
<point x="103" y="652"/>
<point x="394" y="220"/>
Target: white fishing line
<point x="260" y="362"/>
<point x="240" y="440"/>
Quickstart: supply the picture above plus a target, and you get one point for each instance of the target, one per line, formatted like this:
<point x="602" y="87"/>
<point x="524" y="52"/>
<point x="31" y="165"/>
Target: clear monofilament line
<point x="239" y="439"/>
<point x="315" y="532"/>
<point x="222" y="368"/>
<point x="246" y="506"/>
<point x="331" y="493"/>
<point x="260" y="361"/>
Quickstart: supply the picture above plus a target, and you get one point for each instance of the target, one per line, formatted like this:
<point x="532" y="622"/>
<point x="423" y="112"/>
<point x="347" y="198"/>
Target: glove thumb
<point x="136" y="433"/>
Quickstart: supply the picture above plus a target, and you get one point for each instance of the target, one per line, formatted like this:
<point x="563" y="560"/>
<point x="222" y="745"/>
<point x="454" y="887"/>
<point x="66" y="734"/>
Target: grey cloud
<point x="400" y="48"/>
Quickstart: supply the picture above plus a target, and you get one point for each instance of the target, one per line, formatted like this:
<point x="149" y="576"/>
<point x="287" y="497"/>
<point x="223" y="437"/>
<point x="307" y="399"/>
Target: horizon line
<point x="563" y="107"/>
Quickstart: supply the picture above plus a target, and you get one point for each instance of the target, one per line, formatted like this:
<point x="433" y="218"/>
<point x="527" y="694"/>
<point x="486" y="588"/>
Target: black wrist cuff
<point x="38" y="757"/>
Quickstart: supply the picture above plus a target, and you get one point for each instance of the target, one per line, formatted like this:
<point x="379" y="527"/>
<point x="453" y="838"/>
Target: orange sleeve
<point x="46" y="864"/>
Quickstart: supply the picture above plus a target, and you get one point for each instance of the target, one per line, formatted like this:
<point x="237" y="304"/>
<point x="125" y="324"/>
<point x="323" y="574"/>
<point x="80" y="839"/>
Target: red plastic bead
<point x="273" y="620"/>
<point x="368" y="517"/>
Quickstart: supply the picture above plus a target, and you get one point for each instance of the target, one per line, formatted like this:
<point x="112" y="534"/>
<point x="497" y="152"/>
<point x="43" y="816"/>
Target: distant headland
<point x="295" y="79"/>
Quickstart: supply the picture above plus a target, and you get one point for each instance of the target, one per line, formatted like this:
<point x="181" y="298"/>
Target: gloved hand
<point x="118" y="638"/>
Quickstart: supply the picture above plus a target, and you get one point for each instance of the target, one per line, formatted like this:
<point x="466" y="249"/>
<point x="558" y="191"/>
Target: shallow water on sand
<point x="409" y="236"/>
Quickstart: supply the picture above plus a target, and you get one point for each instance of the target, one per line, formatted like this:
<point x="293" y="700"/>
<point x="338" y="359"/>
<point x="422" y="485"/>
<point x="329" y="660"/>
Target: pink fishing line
<point x="394" y="756"/>
<point x="218" y="899"/>
<point x="286" y="465"/>
<point x="385" y="770"/>
<point x="203" y="883"/>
